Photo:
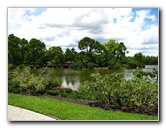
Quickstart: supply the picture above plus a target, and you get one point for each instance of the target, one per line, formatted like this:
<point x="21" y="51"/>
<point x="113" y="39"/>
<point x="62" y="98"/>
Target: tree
<point x="91" y="52"/>
<point x="70" y="54"/>
<point x="23" y="46"/>
<point x="36" y="50"/>
<point x="115" y="49"/>
<point x="55" y="56"/>
<point x="150" y="60"/>
<point x="115" y="53"/>
<point x="14" y="55"/>
<point x="86" y="44"/>
<point x="138" y="56"/>
<point x="121" y="50"/>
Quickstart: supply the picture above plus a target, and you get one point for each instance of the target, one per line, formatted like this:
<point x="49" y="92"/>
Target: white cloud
<point x="66" y="26"/>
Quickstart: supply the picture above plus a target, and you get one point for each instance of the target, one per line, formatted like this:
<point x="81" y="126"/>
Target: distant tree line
<point x="111" y="54"/>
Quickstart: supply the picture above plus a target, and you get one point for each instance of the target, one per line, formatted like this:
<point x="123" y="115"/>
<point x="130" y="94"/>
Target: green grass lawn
<point x="71" y="111"/>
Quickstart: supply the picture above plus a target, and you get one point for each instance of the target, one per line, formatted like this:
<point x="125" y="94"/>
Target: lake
<point x="71" y="78"/>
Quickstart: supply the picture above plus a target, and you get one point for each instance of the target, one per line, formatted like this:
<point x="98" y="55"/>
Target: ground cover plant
<point x="64" y="110"/>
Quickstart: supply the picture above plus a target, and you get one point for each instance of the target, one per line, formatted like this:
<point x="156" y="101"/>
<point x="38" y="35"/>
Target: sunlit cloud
<point x="137" y="28"/>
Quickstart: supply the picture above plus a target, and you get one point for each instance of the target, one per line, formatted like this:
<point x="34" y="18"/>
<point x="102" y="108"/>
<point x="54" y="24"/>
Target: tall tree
<point x="86" y="44"/>
<point x="23" y="46"/>
<point x="36" y="50"/>
<point x="138" y="56"/>
<point x="91" y="52"/>
<point x="115" y="53"/>
<point x="55" y="56"/>
<point x="115" y="49"/>
<point x="70" y="54"/>
<point x="14" y="55"/>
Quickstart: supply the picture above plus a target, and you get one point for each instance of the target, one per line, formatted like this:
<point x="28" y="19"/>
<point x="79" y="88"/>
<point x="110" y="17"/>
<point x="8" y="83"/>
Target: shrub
<point x="10" y="66"/>
<point x="37" y="66"/>
<point x="52" y="83"/>
<point x="30" y="83"/>
<point x="68" y="90"/>
<point x="21" y="66"/>
<point x="14" y="88"/>
<point x="53" y="92"/>
<point x="63" y="94"/>
<point x="31" y="66"/>
<point x="76" y="95"/>
<point x="111" y="89"/>
<point x="101" y="88"/>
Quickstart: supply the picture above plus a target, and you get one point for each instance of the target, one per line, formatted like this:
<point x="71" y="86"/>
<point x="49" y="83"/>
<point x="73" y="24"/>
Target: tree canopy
<point x="111" y="54"/>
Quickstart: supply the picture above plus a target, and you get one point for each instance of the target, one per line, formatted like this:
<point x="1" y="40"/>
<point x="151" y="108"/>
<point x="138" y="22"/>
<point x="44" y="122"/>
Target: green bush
<point x="31" y="66"/>
<point x="141" y="74"/>
<point x="21" y="66"/>
<point x="14" y="87"/>
<point x="63" y="94"/>
<point x="10" y="66"/>
<point x="52" y="83"/>
<point x="112" y="89"/>
<point x="37" y="66"/>
<point x="100" y="88"/>
<point x="76" y="95"/>
<point x="53" y="92"/>
<point x="30" y="83"/>
<point x="68" y="90"/>
<point x="139" y="92"/>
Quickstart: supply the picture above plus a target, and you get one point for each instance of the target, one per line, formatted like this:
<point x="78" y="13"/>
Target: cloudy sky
<point x="137" y="28"/>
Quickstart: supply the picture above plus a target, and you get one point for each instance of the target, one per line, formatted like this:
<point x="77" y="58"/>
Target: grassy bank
<point x="70" y="111"/>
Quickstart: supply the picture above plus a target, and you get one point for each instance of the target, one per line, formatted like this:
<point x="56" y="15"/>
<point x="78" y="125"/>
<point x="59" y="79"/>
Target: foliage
<point x="14" y="87"/>
<point x="53" y="92"/>
<point x="112" y="89"/>
<point x="22" y="66"/>
<point x="64" y="92"/>
<point x="36" y="50"/>
<point x="54" y="56"/>
<point x="10" y="66"/>
<point x="111" y="54"/>
<point x="114" y="64"/>
<point x="30" y="83"/>
<point x="70" y="54"/>
<point x="78" y="65"/>
<point x="52" y="84"/>
<point x="142" y="74"/>
<point x="100" y="88"/>
<point x="87" y="44"/>
<point x="77" y="95"/>
<point x="115" y="49"/>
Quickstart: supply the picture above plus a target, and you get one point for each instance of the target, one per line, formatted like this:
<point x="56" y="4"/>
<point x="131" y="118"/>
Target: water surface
<point x="73" y="78"/>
